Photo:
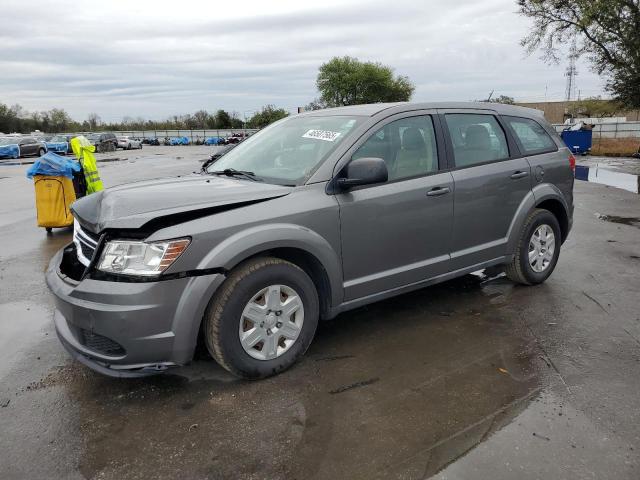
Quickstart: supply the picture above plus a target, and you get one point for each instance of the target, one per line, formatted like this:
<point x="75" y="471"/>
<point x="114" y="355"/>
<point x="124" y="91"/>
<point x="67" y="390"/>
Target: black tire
<point x="222" y="317"/>
<point x="41" y="152"/>
<point x="520" y="270"/>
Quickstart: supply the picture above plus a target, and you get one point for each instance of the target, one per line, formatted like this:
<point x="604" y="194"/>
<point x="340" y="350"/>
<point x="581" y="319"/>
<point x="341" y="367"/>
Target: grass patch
<point x="615" y="147"/>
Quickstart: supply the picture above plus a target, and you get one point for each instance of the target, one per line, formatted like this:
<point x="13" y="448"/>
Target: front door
<point x="399" y="232"/>
<point x="490" y="184"/>
<point x="28" y="146"/>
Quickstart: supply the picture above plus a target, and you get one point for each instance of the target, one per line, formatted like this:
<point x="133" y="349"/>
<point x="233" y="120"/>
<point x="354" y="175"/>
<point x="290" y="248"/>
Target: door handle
<point x="437" y="191"/>
<point x="519" y="174"/>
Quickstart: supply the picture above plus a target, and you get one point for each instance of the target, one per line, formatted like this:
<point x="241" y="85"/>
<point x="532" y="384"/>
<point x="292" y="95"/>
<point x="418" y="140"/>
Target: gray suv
<point x="315" y="215"/>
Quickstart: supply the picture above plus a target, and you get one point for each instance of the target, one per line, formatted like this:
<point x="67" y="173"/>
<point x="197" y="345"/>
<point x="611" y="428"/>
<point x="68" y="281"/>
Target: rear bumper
<point x="126" y="329"/>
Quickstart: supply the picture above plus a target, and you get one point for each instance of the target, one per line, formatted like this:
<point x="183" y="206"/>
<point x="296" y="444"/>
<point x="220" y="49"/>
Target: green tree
<point x="60" y="120"/>
<point x="348" y="81"/>
<point x="606" y="31"/>
<point x="267" y="115"/>
<point x="596" y="107"/>
<point x="315" y="104"/>
<point x="223" y="119"/>
<point x="503" y="99"/>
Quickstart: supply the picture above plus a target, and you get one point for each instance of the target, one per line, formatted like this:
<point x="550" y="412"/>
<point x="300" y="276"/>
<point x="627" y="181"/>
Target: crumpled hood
<point x="133" y="205"/>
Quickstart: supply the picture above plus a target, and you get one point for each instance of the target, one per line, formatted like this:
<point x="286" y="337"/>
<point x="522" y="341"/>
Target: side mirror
<point x="363" y="171"/>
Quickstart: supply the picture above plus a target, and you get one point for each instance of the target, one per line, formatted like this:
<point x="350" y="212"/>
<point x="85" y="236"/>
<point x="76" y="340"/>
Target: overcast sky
<point x="139" y="58"/>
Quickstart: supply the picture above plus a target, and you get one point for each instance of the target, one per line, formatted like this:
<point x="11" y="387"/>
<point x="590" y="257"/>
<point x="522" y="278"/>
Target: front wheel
<point x="262" y="319"/>
<point x="41" y="152"/>
<point x="537" y="250"/>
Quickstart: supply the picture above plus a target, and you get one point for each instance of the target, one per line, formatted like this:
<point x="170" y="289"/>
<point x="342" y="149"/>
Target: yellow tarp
<point x="83" y="150"/>
<point x="54" y="196"/>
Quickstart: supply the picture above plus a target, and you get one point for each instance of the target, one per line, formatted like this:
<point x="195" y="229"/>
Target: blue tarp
<point x="11" y="151"/>
<point x="214" y="141"/>
<point x="59" y="147"/>
<point x="179" y="141"/>
<point x="53" y="165"/>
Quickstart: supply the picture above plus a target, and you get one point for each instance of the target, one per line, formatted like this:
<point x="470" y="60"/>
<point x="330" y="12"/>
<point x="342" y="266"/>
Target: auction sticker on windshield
<point x="326" y="135"/>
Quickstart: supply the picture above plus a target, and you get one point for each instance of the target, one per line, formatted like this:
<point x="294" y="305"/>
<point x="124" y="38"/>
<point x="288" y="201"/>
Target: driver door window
<point x="408" y="147"/>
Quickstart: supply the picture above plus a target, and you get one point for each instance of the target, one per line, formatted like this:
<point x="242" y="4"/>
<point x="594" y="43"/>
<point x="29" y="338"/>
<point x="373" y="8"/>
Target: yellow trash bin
<point x="54" y="196"/>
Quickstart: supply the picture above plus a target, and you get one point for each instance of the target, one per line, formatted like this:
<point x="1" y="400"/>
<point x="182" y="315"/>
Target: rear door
<point x="549" y="163"/>
<point x="399" y="232"/>
<point x="491" y="180"/>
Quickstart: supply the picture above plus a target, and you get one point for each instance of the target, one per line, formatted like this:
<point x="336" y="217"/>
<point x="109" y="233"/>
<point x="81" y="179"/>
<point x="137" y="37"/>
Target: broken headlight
<point x="131" y="257"/>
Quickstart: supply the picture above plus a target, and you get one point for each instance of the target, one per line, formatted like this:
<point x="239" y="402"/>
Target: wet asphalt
<point x="473" y="378"/>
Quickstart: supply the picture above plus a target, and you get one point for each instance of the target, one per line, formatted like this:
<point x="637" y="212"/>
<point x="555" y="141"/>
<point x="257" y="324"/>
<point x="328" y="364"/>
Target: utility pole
<point x="571" y="73"/>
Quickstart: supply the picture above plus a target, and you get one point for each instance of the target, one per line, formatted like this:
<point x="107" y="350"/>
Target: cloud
<point x="139" y="58"/>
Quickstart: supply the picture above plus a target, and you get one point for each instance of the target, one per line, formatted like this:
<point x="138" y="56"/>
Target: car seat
<point x="413" y="158"/>
<point x="477" y="146"/>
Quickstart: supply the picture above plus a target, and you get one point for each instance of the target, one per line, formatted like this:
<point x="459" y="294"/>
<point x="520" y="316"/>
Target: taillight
<point x="572" y="162"/>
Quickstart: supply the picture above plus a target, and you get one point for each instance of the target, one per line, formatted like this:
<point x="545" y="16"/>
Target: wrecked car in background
<point x="58" y="144"/>
<point x="9" y="147"/>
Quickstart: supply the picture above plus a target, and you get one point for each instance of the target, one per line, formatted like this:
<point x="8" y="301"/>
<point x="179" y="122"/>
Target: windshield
<point x="93" y="136"/>
<point x="289" y="151"/>
<point x="8" y="141"/>
<point x="58" y="138"/>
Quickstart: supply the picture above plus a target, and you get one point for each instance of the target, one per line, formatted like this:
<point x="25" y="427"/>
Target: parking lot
<point x="473" y="378"/>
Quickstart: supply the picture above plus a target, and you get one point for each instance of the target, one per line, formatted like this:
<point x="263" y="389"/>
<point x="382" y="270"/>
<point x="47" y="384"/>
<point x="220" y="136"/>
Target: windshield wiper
<point x="232" y="172"/>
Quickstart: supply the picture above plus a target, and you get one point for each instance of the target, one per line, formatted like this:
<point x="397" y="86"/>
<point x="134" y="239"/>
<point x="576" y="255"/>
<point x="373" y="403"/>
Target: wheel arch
<point x="311" y="266"/>
<point x="545" y="196"/>
<point x="298" y="245"/>
<point x="558" y="210"/>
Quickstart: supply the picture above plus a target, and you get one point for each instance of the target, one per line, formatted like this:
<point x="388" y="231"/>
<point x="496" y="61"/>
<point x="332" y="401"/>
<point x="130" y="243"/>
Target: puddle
<point x="631" y="221"/>
<point x="17" y="322"/>
<point x="416" y="380"/>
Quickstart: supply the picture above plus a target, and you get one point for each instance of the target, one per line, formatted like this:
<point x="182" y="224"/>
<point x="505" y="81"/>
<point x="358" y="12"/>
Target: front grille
<point x="101" y="344"/>
<point x="86" y="243"/>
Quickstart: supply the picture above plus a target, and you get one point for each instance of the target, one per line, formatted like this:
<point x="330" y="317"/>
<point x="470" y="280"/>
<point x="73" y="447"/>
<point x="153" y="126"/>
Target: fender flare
<point x="535" y="197"/>
<point x="262" y="238"/>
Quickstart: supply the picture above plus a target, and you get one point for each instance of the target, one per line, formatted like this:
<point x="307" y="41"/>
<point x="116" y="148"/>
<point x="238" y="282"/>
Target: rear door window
<point x="531" y="137"/>
<point x="476" y="138"/>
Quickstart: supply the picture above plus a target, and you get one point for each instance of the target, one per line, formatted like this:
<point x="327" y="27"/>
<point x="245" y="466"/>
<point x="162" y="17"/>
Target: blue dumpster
<point x="578" y="141"/>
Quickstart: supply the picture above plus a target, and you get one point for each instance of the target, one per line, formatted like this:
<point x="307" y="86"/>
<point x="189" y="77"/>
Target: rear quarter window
<point x="531" y="136"/>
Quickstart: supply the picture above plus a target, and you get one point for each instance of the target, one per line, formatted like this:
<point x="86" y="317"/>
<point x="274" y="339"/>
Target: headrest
<point x="412" y="139"/>
<point x="477" y="138"/>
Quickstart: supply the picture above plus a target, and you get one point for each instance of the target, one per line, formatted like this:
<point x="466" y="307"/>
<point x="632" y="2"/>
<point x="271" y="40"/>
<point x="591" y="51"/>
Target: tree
<point x="348" y="81"/>
<point x="503" y="99"/>
<point x="200" y="119"/>
<point x="223" y="119"/>
<point x="60" y="120"/>
<point x="607" y="31"/>
<point x="596" y="107"/>
<point x="94" y="120"/>
<point x="499" y="99"/>
<point x="315" y="104"/>
<point x="267" y="115"/>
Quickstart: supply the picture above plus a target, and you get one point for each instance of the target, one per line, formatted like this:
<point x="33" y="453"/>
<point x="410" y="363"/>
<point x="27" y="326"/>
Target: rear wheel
<point x="41" y="152"/>
<point x="537" y="250"/>
<point x="262" y="319"/>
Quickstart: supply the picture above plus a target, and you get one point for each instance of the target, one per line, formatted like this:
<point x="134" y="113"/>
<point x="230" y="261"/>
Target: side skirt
<point x="359" y="302"/>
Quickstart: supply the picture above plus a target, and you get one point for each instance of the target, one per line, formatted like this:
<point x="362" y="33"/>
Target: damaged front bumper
<point x="129" y="329"/>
